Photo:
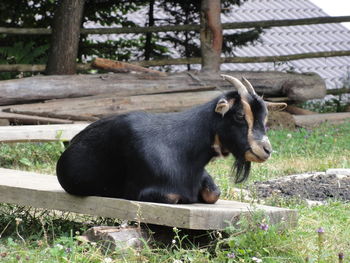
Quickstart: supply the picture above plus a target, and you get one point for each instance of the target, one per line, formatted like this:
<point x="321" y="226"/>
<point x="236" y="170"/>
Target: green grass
<point x="28" y="235"/>
<point x="40" y="157"/>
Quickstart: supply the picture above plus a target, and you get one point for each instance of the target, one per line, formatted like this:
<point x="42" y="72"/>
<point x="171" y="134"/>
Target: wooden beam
<point x="155" y="29"/>
<point x="43" y="191"/>
<point x="185" y="61"/>
<point x="254" y="59"/>
<point x="40" y="133"/>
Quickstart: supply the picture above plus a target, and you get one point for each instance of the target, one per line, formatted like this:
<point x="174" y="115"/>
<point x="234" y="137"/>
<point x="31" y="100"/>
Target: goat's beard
<point x="240" y="170"/>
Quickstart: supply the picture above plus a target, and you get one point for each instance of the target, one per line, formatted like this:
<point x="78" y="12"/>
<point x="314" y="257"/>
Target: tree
<point x="211" y="35"/>
<point x="40" y="14"/>
<point x="65" y="38"/>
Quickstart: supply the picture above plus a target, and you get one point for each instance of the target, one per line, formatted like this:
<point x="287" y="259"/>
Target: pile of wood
<point x="66" y="99"/>
<point x="75" y="98"/>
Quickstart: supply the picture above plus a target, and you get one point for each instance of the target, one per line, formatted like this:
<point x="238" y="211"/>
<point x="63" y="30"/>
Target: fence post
<point x="65" y="38"/>
<point x="211" y="34"/>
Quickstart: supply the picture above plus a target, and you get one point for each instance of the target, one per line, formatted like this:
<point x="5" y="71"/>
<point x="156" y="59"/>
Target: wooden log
<point x="297" y="87"/>
<point x="43" y="191"/>
<point x="30" y="119"/>
<point x="317" y="119"/>
<point x="118" y="66"/>
<point x="40" y="133"/>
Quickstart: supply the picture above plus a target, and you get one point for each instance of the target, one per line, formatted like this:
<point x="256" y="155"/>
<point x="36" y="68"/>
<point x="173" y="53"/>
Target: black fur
<point x="153" y="157"/>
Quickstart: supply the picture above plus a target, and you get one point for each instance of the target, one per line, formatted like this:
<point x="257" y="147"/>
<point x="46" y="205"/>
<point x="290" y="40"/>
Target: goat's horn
<point x="248" y="85"/>
<point x="242" y="90"/>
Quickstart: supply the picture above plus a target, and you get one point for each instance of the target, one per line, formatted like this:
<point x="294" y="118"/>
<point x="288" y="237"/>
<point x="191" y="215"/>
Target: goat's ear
<point x="273" y="106"/>
<point x="223" y="106"/>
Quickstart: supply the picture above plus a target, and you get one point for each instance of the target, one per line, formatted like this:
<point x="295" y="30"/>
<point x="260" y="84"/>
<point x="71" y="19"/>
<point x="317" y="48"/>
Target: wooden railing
<point x="163" y="62"/>
<point x="157" y="29"/>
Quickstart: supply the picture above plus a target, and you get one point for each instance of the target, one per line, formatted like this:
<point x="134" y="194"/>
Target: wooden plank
<point x="33" y="133"/>
<point x="30" y="119"/>
<point x="317" y="119"/>
<point x="94" y="107"/>
<point x="44" y="191"/>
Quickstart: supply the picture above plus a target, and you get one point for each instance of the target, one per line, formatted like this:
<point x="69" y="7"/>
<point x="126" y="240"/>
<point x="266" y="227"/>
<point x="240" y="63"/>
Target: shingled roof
<point x="293" y="39"/>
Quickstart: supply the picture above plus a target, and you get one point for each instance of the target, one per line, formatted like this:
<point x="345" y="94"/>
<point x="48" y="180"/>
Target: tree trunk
<point x="65" y="38"/>
<point x="148" y="44"/>
<point x="211" y="35"/>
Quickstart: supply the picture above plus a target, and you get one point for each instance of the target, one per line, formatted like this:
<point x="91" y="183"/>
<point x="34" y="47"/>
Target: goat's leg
<point x="209" y="192"/>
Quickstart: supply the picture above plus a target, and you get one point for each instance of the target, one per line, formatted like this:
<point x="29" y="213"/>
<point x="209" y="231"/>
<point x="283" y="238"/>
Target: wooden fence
<point x="163" y="62"/>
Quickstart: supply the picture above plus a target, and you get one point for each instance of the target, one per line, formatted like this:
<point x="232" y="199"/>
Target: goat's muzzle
<point x="259" y="151"/>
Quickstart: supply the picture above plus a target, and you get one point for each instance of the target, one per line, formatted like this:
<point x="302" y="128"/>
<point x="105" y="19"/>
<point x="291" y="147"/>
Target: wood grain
<point x="44" y="191"/>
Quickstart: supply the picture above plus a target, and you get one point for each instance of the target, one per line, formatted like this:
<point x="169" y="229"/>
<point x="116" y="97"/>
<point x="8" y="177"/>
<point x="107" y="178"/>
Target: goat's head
<point x="241" y="129"/>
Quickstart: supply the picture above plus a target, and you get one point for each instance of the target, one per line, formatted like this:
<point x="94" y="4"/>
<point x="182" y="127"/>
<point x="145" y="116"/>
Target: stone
<point x="113" y="237"/>
<point x="338" y="171"/>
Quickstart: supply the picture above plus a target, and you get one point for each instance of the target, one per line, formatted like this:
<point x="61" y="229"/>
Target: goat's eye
<point x="240" y="115"/>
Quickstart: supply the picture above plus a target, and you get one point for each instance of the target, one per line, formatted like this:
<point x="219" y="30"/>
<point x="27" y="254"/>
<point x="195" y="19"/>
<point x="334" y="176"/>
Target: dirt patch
<point x="335" y="183"/>
<point x="281" y="120"/>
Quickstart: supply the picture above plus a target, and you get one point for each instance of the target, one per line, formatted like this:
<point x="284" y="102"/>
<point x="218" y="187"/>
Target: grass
<point x="302" y="150"/>
<point x="28" y="235"/>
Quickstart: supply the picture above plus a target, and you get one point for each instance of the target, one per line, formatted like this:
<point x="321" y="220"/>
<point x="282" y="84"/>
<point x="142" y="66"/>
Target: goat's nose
<point x="268" y="150"/>
<point x="266" y="145"/>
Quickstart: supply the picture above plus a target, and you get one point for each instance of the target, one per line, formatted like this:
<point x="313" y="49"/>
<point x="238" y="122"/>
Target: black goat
<point x="162" y="157"/>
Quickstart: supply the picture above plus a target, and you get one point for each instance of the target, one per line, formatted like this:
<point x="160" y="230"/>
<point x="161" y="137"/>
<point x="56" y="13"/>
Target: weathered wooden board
<point x="44" y="191"/>
<point x="299" y="87"/>
<point x="32" y="133"/>
<point x="94" y="107"/>
<point x="316" y="119"/>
